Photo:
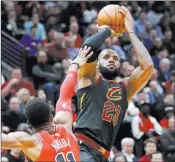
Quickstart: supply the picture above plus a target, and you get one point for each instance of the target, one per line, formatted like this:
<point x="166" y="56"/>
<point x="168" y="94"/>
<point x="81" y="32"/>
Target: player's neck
<point x="49" y="127"/>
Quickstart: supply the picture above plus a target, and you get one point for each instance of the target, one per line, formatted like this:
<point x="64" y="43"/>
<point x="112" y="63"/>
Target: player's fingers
<point x="84" y="49"/>
<point x="89" y="55"/>
<point x="80" y="51"/>
<point x="121" y="10"/>
<point x="125" y="9"/>
<point x="86" y="52"/>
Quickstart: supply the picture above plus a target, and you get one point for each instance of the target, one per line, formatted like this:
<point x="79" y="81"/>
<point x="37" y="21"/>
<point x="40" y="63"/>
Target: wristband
<point x="76" y="64"/>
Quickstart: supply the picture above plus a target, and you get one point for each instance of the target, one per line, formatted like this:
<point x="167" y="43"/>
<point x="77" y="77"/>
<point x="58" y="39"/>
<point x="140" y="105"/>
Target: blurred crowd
<point x="53" y="32"/>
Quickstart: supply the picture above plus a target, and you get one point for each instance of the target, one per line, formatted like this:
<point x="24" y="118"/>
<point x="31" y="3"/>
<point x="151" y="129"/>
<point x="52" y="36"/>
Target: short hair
<point x="127" y="140"/>
<point x="37" y="112"/>
<point x="150" y="140"/>
<point x="164" y="60"/>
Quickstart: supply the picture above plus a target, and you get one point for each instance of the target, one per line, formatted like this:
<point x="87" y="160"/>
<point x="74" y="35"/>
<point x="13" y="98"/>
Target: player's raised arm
<point x="95" y="42"/>
<point x="141" y="74"/>
<point x="64" y="103"/>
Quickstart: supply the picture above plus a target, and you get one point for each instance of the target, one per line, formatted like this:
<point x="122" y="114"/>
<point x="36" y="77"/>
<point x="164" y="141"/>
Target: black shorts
<point x="89" y="154"/>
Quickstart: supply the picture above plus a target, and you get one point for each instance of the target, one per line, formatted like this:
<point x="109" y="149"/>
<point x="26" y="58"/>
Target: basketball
<point x="110" y="16"/>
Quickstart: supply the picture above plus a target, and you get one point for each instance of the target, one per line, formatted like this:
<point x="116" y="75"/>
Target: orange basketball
<point x="110" y="16"/>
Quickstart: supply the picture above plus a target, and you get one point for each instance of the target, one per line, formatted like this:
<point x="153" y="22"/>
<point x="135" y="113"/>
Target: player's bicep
<point x="64" y="118"/>
<point x="87" y="70"/>
<point x="137" y="81"/>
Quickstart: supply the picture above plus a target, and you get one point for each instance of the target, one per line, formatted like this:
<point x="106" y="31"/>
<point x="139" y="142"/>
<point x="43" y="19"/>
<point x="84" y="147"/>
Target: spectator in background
<point x="73" y="34"/>
<point x="46" y="77"/>
<point x="89" y="13"/>
<point x="153" y="16"/>
<point x="157" y="157"/>
<point x="91" y="30"/>
<point x="12" y="117"/>
<point x="155" y="75"/>
<point x="150" y="148"/>
<point x="71" y="50"/>
<point x="168" y="84"/>
<point x="120" y="158"/>
<point x="24" y="96"/>
<point x="15" y="156"/>
<point x="29" y="41"/>
<point x="65" y="65"/>
<point x="127" y="149"/>
<point x="164" y="72"/>
<point x="158" y="46"/>
<point x="24" y="127"/>
<point x="56" y="50"/>
<point x="127" y="70"/>
<point x="40" y="31"/>
<point x="169" y="100"/>
<point x="109" y="44"/>
<point x="168" y="111"/>
<point x="168" y="142"/>
<point x="4" y="159"/>
<point x="12" y="86"/>
<point x="156" y="99"/>
<point x="144" y="125"/>
<point x="41" y="94"/>
<point x="140" y="25"/>
<point x="168" y="41"/>
<point x="149" y="39"/>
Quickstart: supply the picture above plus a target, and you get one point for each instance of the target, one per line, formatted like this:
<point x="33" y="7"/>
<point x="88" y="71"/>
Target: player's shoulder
<point x="125" y="80"/>
<point x="64" y="131"/>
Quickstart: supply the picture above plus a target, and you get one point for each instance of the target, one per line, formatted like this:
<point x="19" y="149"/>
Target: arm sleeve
<point x="66" y="92"/>
<point x="95" y="42"/>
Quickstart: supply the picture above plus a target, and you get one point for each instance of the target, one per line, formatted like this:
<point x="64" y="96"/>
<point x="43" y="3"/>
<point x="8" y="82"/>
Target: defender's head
<point x="38" y="112"/>
<point x="109" y="64"/>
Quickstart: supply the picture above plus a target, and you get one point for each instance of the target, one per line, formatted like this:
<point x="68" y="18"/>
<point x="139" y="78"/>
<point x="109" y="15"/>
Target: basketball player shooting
<point x="102" y="100"/>
<point x="51" y="142"/>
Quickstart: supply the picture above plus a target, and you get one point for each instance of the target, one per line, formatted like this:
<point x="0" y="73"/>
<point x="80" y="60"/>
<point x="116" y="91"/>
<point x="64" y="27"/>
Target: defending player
<point x="51" y="143"/>
<point x="102" y="100"/>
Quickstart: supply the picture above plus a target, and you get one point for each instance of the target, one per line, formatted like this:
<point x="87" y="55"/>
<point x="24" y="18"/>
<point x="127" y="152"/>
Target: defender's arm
<point x="64" y="103"/>
<point x="18" y="140"/>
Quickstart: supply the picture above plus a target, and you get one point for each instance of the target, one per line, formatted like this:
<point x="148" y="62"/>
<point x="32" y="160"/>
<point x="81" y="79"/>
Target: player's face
<point x="109" y="60"/>
<point x="109" y="64"/>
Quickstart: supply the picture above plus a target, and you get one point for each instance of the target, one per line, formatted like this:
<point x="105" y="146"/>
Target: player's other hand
<point x="129" y="22"/>
<point x="83" y="55"/>
<point x="113" y="33"/>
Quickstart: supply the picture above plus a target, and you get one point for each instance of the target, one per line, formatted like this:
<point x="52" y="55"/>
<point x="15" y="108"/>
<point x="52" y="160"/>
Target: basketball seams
<point x="115" y="17"/>
<point x="108" y="17"/>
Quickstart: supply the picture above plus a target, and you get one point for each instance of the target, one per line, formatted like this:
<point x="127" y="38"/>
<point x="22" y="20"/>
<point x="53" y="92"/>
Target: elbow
<point x="149" y="66"/>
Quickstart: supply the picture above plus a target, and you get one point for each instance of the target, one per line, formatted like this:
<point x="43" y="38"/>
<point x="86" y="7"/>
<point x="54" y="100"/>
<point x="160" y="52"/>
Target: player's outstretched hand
<point x="129" y="22"/>
<point x="83" y="56"/>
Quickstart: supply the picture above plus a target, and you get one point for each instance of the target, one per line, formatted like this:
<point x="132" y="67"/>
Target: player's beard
<point x="109" y="74"/>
